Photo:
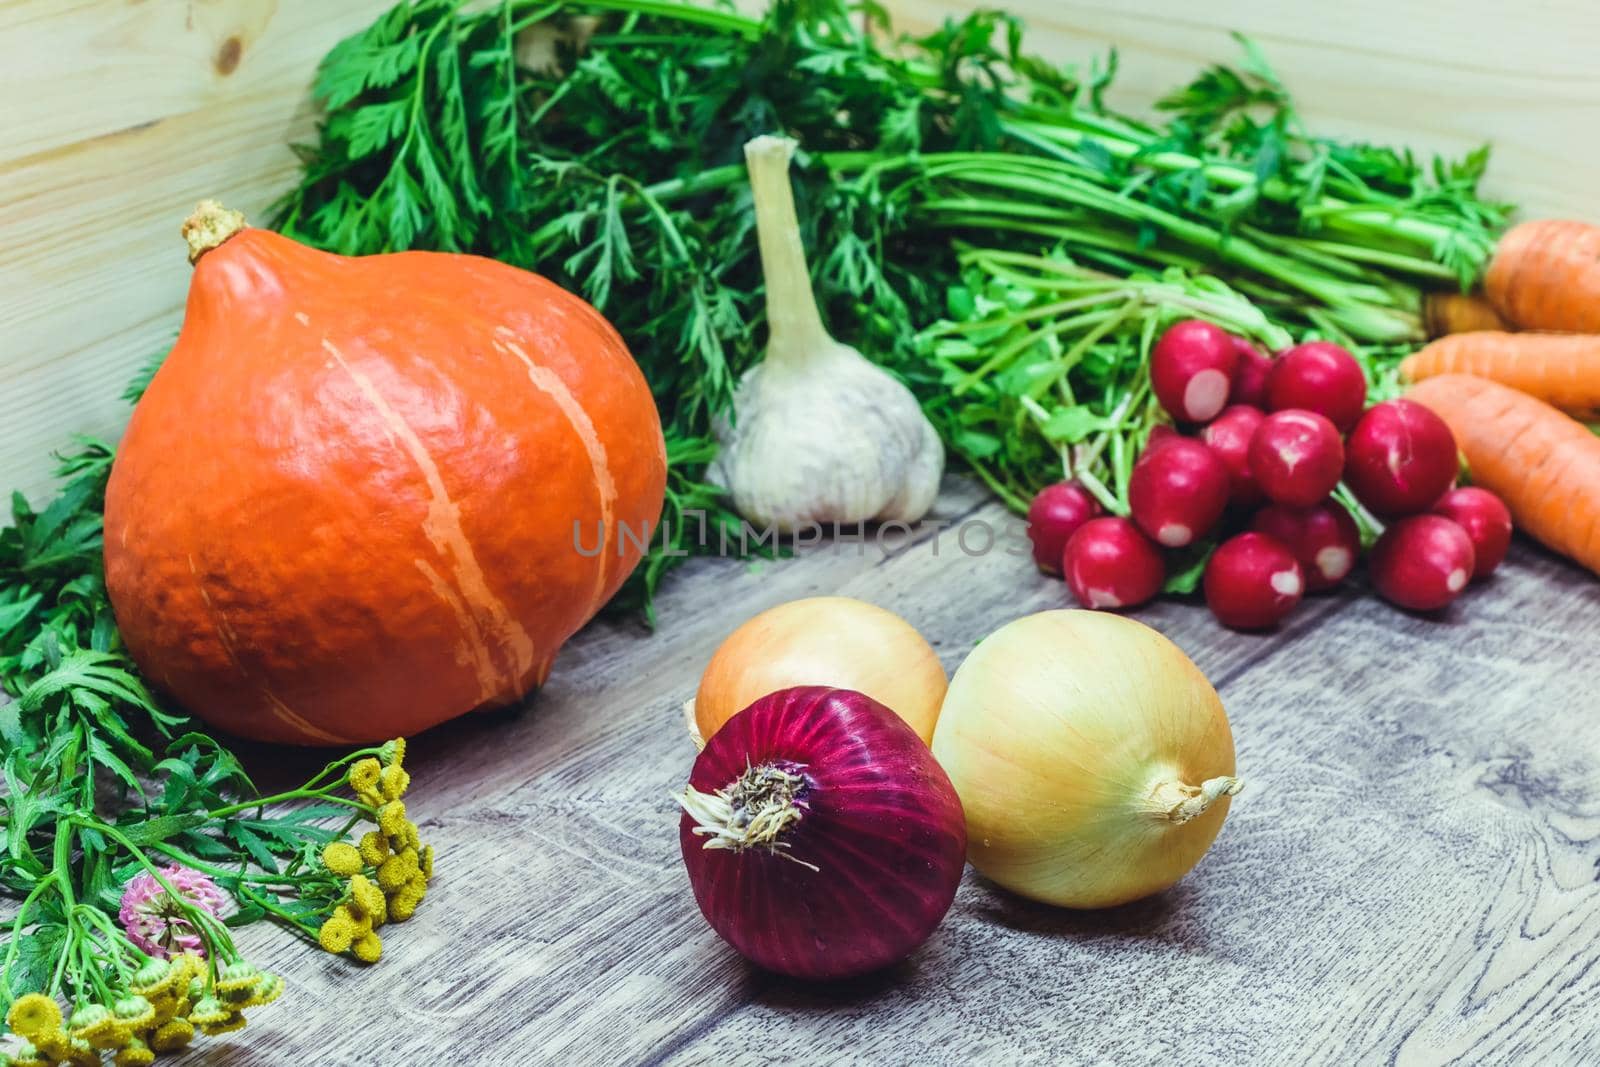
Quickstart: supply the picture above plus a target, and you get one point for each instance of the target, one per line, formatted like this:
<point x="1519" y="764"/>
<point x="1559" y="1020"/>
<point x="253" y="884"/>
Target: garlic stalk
<point x="819" y="435"/>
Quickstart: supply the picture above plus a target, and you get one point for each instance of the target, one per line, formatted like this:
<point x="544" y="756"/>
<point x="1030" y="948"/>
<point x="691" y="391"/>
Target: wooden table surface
<point x="1408" y="877"/>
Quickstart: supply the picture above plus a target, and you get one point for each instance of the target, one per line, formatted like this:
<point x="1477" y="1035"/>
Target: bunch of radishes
<point x="1274" y="439"/>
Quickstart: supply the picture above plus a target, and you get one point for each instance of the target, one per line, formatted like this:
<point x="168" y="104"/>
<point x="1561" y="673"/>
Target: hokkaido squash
<point x="366" y="495"/>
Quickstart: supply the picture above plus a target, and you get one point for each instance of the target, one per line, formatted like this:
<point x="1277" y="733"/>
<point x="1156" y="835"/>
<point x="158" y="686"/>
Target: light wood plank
<point x="118" y="117"/>
<point x="74" y="70"/>
<point x="1438" y="76"/>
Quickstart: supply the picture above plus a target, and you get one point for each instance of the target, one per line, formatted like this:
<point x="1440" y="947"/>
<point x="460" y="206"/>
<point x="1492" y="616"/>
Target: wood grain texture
<point x="1409" y="876"/>
<point x="1434" y="75"/>
<point x="118" y="117"/>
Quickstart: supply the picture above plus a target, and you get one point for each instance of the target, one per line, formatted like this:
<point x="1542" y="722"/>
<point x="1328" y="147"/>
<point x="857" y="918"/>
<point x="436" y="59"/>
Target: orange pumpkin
<point x="366" y="495"/>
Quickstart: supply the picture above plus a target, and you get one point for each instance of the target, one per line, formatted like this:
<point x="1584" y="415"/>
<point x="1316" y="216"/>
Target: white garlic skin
<point x="820" y="435"/>
<point x="840" y="441"/>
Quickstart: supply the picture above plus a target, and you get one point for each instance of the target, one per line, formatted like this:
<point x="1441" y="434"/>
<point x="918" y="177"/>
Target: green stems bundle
<point x="597" y="143"/>
<point x="1045" y="364"/>
<point x="129" y="837"/>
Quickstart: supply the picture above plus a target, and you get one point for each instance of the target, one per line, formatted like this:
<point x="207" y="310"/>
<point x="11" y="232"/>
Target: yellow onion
<point x="1092" y="757"/>
<point x="827" y="640"/>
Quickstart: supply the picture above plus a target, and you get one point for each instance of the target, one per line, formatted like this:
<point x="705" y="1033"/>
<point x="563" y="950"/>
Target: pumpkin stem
<point x="209" y="226"/>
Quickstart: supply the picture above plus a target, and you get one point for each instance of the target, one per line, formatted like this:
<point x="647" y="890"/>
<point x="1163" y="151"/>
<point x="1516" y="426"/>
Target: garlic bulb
<point x="819" y="435"/>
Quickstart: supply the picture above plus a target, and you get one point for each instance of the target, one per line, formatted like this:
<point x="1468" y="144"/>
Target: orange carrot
<point x="1447" y="313"/>
<point x="1559" y="368"/>
<point x="1543" y="464"/>
<point x="1545" y="275"/>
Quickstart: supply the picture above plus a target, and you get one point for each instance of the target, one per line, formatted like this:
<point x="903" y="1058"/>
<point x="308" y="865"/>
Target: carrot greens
<point x="133" y="843"/>
<point x="597" y="143"/>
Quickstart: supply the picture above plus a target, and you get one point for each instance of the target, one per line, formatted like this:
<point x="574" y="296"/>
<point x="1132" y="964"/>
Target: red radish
<point x="1055" y="514"/>
<point x="1252" y="582"/>
<point x="1318" y="376"/>
<point x="1110" y="564"/>
<point x="1296" y="457"/>
<point x="822" y="838"/>
<point x="1228" y="435"/>
<point x="1400" y="458"/>
<point x="1323" y="538"/>
<point x="1422" y="562"/>
<point x="1249" y="375"/>
<point x="1178" y="491"/>
<point x="1159" y="435"/>
<point x="1485" y="519"/>
<point x="1191" y="370"/>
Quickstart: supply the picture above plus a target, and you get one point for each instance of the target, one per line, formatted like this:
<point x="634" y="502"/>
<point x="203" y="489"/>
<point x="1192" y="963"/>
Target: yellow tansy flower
<point x="190" y="966"/>
<point x="26" y="1054"/>
<point x="54" y="1044"/>
<point x="234" y="1021"/>
<point x="408" y="899"/>
<point x="33" y="1014"/>
<point x="172" y="1035"/>
<point x="237" y="981"/>
<point x="135" y="1054"/>
<point x="392" y="818"/>
<point x="425" y="862"/>
<point x="374" y="848"/>
<point x="155" y="977"/>
<point x="403" y="906"/>
<point x="95" y="1024"/>
<point x="369" y="948"/>
<point x="365" y="898"/>
<point x="393" y="782"/>
<point x="165" y="1005"/>
<point x="337" y="932"/>
<point x="412" y="858"/>
<point x="135" y="1012"/>
<point x="115" y="1036"/>
<point x="394" y="873"/>
<point x="268" y="988"/>
<point x="393" y="753"/>
<point x="209" y="1010"/>
<point x="409" y="836"/>
<point x="364" y="775"/>
<point x="342" y="859"/>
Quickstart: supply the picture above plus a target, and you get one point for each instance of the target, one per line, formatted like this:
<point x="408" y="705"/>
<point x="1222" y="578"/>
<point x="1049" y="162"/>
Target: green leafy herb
<point x="103" y="785"/>
<point x="598" y="143"/>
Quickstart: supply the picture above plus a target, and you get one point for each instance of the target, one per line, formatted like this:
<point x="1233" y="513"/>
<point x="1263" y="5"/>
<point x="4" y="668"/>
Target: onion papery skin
<point x="826" y="640"/>
<point x="879" y="822"/>
<point x="1093" y="759"/>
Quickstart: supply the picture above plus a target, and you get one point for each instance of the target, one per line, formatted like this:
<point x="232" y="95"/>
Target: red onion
<point x="822" y="839"/>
